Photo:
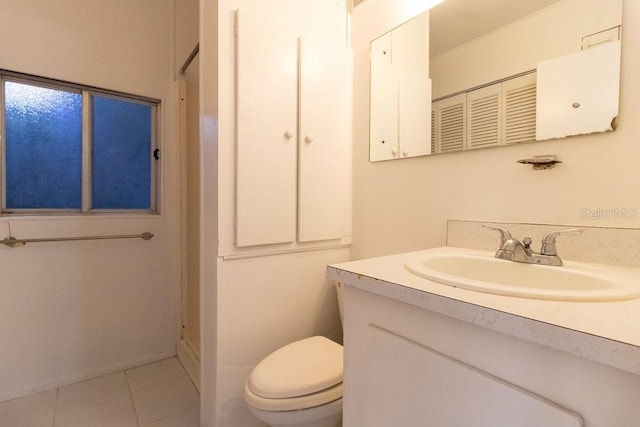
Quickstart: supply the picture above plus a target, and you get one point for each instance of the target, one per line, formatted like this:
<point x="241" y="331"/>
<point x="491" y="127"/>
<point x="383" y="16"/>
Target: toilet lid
<point x="300" y="368"/>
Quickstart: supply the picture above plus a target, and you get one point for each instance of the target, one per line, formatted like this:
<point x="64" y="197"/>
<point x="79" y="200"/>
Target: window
<point x="69" y="148"/>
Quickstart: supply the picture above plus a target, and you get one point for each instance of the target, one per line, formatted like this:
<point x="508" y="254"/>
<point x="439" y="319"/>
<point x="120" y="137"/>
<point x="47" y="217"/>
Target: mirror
<point x="477" y="74"/>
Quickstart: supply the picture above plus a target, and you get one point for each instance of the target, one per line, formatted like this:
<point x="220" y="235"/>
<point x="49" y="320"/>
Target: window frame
<point x="87" y="93"/>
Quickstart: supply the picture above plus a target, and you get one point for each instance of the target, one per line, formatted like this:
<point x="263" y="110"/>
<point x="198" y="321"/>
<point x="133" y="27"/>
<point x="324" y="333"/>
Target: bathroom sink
<point x="481" y="271"/>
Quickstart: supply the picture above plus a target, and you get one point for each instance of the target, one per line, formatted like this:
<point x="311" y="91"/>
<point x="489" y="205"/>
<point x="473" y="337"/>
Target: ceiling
<point x="456" y="21"/>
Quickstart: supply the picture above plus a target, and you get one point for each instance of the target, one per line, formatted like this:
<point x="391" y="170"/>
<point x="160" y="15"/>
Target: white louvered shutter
<point x="519" y="109"/>
<point x="450" y="124"/>
<point x="484" y="115"/>
<point x="433" y="130"/>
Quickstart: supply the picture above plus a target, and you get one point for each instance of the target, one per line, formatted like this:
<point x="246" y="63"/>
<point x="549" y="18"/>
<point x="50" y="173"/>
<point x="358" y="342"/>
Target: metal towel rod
<point x="13" y="242"/>
<point x="190" y="59"/>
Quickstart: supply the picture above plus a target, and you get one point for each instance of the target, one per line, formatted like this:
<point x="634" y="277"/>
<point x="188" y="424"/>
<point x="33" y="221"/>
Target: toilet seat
<point x="300" y="375"/>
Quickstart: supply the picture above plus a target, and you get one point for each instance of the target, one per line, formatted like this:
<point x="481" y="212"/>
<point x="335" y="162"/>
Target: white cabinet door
<point x="400" y="104"/>
<point x="579" y="93"/>
<point x="410" y="50"/>
<point x="383" y="136"/>
<point x="414" y="124"/>
<point x="267" y="91"/>
<point x="408" y="384"/>
<point x="324" y="190"/>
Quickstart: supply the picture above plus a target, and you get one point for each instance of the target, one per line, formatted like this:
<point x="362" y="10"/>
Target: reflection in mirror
<point x="400" y="92"/>
<point x="500" y="73"/>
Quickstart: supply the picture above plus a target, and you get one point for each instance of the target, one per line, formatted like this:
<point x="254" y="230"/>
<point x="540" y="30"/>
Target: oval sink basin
<point x="573" y="281"/>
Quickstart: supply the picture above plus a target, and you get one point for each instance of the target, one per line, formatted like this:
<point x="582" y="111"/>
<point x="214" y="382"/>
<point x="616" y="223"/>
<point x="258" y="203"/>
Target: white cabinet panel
<point x="400" y="104"/>
<point x="266" y="131"/>
<point x="411" y="385"/>
<point x="414" y="125"/>
<point x="405" y="365"/>
<point x="383" y="136"/>
<point x="579" y="93"/>
<point x="410" y="49"/>
<point x="324" y="195"/>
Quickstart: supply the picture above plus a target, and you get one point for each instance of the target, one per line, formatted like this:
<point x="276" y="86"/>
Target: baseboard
<point x="190" y="360"/>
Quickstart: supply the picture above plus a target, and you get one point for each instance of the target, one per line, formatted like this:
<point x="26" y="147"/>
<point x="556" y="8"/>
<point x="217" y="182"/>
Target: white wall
<point x="404" y="205"/>
<point x="72" y="310"/>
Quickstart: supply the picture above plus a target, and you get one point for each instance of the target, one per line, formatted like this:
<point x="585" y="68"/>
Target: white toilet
<point x="299" y="384"/>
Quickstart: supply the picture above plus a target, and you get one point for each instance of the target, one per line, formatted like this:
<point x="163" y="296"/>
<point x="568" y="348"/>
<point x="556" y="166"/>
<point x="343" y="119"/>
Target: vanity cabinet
<point x="400" y="92"/>
<point x="293" y="123"/>
<point x="411" y="366"/>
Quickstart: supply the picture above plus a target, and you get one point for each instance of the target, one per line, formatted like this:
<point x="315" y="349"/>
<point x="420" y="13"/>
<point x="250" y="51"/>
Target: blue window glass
<point x="121" y="158"/>
<point x="43" y="147"/>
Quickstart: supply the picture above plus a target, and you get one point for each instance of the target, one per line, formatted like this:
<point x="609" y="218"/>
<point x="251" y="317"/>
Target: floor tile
<point x="113" y="413"/>
<point x="154" y="374"/>
<point x="162" y="392"/>
<point x="189" y="417"/>
<point x="35" y="410"/>
<point x="158" y="402"/>
<point x="88" y="393"/>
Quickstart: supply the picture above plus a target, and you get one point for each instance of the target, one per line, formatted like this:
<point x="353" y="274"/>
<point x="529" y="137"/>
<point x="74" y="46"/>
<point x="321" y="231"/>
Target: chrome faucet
<point x="513" y="249"/>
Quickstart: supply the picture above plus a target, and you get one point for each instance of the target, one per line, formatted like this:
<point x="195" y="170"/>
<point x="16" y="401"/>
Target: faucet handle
<point x="504" y="233"/>
<point x="549" y="240"/>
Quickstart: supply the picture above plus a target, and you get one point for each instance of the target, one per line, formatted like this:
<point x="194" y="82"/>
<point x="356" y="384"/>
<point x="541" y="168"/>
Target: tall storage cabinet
<point x="293" y="134"/>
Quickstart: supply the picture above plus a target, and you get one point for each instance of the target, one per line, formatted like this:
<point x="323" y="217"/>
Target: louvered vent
<point x="520" y="115"/>
<point x="452" y="128"/>
<point x="484" y="123"/>
<point x="354" y="3"/>
<point x="433" y="131"/>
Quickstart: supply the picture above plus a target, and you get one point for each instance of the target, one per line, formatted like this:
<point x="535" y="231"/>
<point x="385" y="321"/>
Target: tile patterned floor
<point x="155" y="395"/>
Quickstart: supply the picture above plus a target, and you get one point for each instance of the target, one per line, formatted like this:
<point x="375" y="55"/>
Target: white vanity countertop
<point x="605" y="332"/>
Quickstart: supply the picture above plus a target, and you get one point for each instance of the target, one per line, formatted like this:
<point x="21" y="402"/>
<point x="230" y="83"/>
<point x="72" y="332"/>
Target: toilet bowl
<point x="299" y="384"/>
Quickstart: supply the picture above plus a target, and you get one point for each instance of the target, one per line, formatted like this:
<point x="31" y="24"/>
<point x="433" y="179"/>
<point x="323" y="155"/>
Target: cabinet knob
<point x="308" y="138"/>
<point x="289" y="133"/>
<point x="405" y="152"/>
<point x="394" y="151"/>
